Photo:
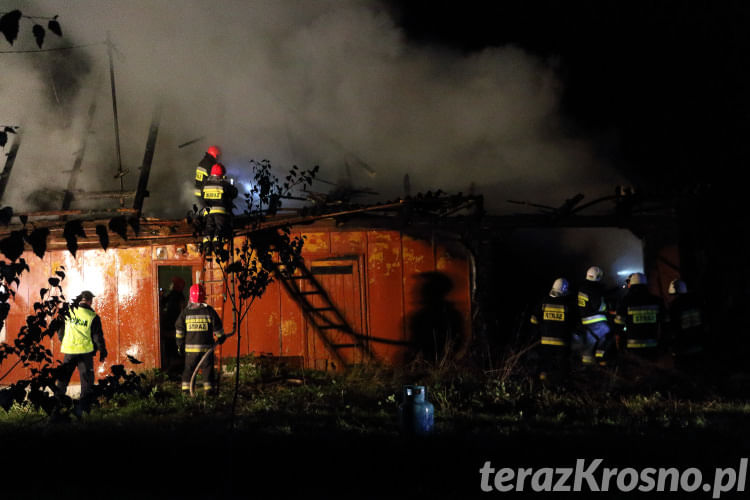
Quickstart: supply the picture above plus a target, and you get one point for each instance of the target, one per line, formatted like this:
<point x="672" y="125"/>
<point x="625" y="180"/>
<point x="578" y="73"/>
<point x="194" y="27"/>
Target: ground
<point x="315" y="435"/>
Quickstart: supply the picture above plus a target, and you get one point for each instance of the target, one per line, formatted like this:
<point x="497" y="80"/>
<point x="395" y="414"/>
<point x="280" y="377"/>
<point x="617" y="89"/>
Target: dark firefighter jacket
<point x="82" y="332"/>
<point x="196" y="326"/>
<point x="591" y="305"/>
<point x="686" y="322"/>
<point x="639" y="316"/>
<point x="201" y="173"/>
<point x="555" y="318"/>
<point x="171" y="307"/>
<point x="218" y="194"/>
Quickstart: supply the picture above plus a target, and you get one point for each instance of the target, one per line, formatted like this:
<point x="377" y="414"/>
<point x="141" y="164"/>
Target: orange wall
<point x="377" y="299"/>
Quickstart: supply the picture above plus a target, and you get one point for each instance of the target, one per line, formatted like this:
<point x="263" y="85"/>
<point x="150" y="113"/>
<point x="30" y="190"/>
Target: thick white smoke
<point x="329" y="82"/>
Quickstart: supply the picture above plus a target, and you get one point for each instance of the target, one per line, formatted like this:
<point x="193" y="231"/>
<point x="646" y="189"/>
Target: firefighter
<point x="80" y="337"/>
<point x="640" y="316"/>
<point x="555" y="319"/>
<point x="195" y="330"/>
<point x="218" y="194"/>
<point x="171" y="305"/>
<point x="592" y="309"/>
<point x="203" y="169"/>
<point x="687" y="326"/>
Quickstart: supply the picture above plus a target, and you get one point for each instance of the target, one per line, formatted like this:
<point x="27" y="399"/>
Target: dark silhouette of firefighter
<point x="687" y="327"/>
<point x="640" y="316"/>
<point x="81" y="336"/>
<point x="436" y="328"/>
<point x="596" y="335"/>
<point x="195" y="330"/>
<point x="203" y="170"/>
<point x="553" y="321"/>
<point x="218" y="194"/>
<point x="170" y="307"/>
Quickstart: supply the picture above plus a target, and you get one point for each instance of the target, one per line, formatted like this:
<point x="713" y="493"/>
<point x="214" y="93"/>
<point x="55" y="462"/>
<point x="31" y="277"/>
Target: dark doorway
<point x="174" y="284"/>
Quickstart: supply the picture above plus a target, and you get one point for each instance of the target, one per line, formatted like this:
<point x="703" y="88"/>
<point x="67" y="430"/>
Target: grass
<point x="343" y="428"/>
<point x="366" y="400"/>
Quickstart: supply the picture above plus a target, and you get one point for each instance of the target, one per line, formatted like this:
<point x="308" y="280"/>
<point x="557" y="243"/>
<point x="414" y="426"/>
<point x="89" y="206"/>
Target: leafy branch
<point x="248" y="270"/>
<point x="4" y="131"/>
<point x="10" y="24"/>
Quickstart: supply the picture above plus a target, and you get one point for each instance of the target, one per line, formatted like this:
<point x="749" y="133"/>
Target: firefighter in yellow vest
<point x="203" y="169"/>
<point x="195" y="330"/>
<point x="688" y="328"/>
<point x="218" y="194"/>
<point x="640" y="318"/>
<point x="81" y="336"/>
<point x="555" y="319"/>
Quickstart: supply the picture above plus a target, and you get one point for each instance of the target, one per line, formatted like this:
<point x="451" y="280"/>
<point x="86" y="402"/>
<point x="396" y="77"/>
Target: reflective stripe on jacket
<point x="196" y="327"/>
<point x="217" y="193"/>
<point x="593" y="319"/>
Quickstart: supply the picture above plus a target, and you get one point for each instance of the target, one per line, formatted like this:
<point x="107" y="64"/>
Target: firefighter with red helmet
<point x="640" y="316"/>
<point x="195" y="330"/>
<point x="555" y="319"/>
<point x="218" y="194"/>
<point x="204" y="168"/>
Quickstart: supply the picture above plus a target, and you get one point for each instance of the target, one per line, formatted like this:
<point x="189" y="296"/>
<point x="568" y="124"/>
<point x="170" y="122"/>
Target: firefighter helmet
<point x="594" y="273"/>
<point x="559" y="288"/>
<point x="677" y="287"/>
<point x="218" y="170"/>
<point x="637" y="279"/>
<point x="197" y="294"/>
<point x="214" y="151"/>
<point x="178" y="284"/>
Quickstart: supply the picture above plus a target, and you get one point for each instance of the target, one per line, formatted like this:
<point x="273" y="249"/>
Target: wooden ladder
<point x="326" y="319"/>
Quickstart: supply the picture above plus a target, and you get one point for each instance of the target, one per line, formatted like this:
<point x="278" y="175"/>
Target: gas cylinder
<point x="416" y="414"/>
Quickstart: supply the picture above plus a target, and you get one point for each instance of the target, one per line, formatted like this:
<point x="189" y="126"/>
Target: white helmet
<point x="559" y="288"/>
<point x="677" y="287"/>
<point x="637" y="279"/>
<point x="594" y="273"/>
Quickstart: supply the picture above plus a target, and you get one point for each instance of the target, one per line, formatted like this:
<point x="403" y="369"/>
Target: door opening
<point x="174" y="284"/>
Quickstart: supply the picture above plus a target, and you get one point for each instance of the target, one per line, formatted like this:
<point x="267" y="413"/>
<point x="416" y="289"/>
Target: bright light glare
<point x="628" y="272"/>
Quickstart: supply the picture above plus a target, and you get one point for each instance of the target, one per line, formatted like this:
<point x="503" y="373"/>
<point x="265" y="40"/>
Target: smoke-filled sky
<point x="329" y="82"/>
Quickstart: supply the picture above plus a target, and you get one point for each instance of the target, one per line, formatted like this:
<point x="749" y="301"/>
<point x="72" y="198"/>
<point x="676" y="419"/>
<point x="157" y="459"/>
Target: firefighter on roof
<point x="555" y="319"/>
<point x="639" y="318"/>
<point x="217" y="194"/>
<point x="195" y="330"/>
<point x="203" y="170"/>
<point x="592" y="309"/>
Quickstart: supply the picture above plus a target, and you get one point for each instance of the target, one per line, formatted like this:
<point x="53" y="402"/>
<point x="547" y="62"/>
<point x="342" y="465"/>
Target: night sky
<point x="660" y="88"/>
<point x="535" y="100"/>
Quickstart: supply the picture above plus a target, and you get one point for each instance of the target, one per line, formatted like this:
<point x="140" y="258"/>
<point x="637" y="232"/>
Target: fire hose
<point x="203" y="360"/>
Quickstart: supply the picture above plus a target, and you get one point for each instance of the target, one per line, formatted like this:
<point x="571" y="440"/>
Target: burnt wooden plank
<point x="9" y="161"/>
<point x="142" y="191"/>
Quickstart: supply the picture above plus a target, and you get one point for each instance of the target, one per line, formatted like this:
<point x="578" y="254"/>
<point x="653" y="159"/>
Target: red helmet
<point x="197" y="294"/>
<point x="178" y="283"/>
<point x="214" y="151"/>
<point x="218" y="169"/>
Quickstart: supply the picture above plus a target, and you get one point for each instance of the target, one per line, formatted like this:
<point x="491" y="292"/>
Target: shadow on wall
<point x="435" y="329"/>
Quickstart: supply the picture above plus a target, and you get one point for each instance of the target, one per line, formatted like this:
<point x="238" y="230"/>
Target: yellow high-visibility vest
<point x="77" y="337"/>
